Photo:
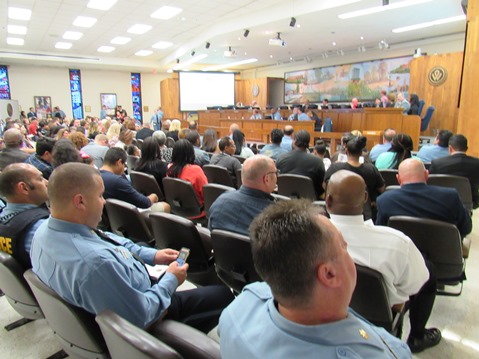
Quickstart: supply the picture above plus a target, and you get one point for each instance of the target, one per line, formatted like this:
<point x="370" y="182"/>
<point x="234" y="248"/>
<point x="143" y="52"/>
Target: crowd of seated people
<point x="109" y="142"/>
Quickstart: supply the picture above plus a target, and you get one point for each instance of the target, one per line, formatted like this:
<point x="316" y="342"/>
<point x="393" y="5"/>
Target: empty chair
<point x="171" y="231"/>
<point x="370" y="299"/>
<point x="75" y="328"/>
<point x="440" y="243"/>
<point x="146" y="184"/>
<point x="127" y="221"/>
<point x="296" y="186"/>
<point x="132" y="162"/>
<point x="186" y="340"/>
<point x="125" y="340"/>
<point x="389" y="177"/>
<point x="427" y="118"/>
<point x="420" y="107"/>
<point x="181" y="197"/>
<point x="17" y="291"/>
<point x="328" y="125"/>
<point x="233" y="259"/>
<point x="461" y="184"/>
<point x="212" y="191"/>
<point x="218" y="174"/>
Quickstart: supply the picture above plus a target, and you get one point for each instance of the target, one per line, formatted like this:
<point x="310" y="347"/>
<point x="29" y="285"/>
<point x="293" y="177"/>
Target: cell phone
<point x="184" y="253"/>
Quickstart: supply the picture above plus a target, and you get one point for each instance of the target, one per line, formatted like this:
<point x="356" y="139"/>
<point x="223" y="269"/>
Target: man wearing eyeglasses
<point x="234" y="211"/>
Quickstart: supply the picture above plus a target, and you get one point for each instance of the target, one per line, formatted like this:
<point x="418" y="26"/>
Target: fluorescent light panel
<point x="231" y="64"/>
<point x="120" y="40"/>
<point x="105" y="49"/>
<point x="63" y="45"/>
<point x="101" y="4"/>
<point x="190" y="61"/>
<point x="166" y="12"/>
<point x="16" y="29"/>
<point x="16" y="13"/>
<point x="84" y="21"/>
<point x="72" y="35"/>
<point x="162" y="45"/>
<point x="429" y="24"/>
<point x="15" y="41"/>
<point x="143" y="53"/>
<point x="139" y="29"/>
<point x="376" y="9"/>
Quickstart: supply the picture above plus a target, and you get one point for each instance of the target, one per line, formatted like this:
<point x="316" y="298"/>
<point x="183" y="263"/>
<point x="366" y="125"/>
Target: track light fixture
<point x="207" y="45"/>
<point x="177" y="61"/>
<point x="246" y="33"/>
<point x="292" y="22"/>
<point x="385" y="2"/>
<point x="193" y="53"/>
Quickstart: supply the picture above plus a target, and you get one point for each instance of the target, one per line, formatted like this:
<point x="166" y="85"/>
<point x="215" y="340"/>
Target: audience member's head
<point x="210" y="141"/>
<point x="239" y="140"/>
<point x="402" y="146"/>
<point x="276" y="136"/>
<point x="346" y="193"/>
<point x="44" y="149"/>
<point x="115" y="159"/>
<point x="13" y="138"/>
<point x="442" y="138"/>
<point x="113" y="130"/>
<point x="183" y="155"/>
<point x="302" y="139"/>
<point x="320" y="149"/>
<point x="458" y="143"/>
<point x="166" y="125"/>
<point x="23" y="183"/>
<point x="79" y="139"/>
<point x="355" y="145"/>
<point x="132" y="150"/>
<point x="412" y="170"/>
<point x="75" y="193"/>
<point x="175" y="125"/>
<point x="388" y="134"/>
<point x="259" y="172"/>
<point x="183" y="133"/>
<point x="311" y="266"/>
<point x="192" y="125"/>
<point x="150" y="151"/>
<point x="101" y="140"/>
<point x="234" y="127"/>
<point x="227" y="145"/>
<point x="288" y="130"/>
<point x="159" y="137"/>
<point x="65" y="151"/>
<point x="126" y="136"/>
<point x="194" y="138"/>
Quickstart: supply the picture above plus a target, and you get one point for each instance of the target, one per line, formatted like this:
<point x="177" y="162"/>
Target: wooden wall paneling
<point x="443" y="97"/>
<point x="170" y="98"/>
<point x="469" y="106"/>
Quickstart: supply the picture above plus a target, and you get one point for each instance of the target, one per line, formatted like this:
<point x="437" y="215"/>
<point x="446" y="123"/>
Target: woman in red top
<point x="182" y="166"/>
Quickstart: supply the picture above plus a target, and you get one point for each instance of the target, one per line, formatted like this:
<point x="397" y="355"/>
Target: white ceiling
<point x="220" y="22"/>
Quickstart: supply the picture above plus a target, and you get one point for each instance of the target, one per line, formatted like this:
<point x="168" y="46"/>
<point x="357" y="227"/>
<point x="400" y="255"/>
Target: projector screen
<point x="199" y="90"/>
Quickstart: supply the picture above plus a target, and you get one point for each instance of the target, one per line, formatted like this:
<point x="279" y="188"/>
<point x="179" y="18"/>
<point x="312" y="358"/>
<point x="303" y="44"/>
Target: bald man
<point x="98" y="271"/>
<point x="234" y="211"/>
<point x="386" y="250"/>
<point x="288" y="138"/>
<point x="25" y="189"/>
<point x="12" y="153"/>
<point x="416" y="198"/>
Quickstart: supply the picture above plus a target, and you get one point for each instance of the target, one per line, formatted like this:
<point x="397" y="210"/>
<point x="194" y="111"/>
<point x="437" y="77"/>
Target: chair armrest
<point x="205" y="236"/>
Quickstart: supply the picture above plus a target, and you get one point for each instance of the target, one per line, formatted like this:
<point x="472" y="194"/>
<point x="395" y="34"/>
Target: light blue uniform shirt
<point x="427" y="153"/>
<point x="96" y="275"/>
<point x="287" y="143"/>
<point x="276" y="116"/>
<point x="378" y="149"/>
<point x="251" y="327"/>
<point x="303" y="117"/>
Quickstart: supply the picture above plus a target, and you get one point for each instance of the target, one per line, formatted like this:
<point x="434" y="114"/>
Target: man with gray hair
<point x="234" y="211"/>
<point x="12" y="153"/>
<point x="166" y="153"/>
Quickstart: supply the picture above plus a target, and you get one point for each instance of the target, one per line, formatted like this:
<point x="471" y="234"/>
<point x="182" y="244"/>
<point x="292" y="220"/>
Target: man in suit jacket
<point x="417" y="199"/>
<point x="459" y="164"/>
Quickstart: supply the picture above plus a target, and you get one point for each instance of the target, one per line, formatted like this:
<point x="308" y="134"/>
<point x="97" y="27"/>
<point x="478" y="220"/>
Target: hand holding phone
<point x="182" y="256"/>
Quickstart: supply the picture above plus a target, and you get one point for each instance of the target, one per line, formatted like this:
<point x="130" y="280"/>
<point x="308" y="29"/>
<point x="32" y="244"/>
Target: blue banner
<point x="75" y="90"/>
<point x="136" y="97"/>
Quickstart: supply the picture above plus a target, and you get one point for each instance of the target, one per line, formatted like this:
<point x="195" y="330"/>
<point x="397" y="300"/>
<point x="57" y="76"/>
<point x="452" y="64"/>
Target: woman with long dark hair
<point x="240" y="143"/>
<point x="210" y="141"/>
<point x="401" y="147"/>
<point x="183" y="167"/>
<point x="414" y="101"/>
<point x="150" y="161"/>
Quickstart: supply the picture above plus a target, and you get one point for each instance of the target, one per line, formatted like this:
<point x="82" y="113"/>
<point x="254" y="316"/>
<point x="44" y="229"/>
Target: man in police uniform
<point x="301" y="310"/>
<point x="25" y="190"/>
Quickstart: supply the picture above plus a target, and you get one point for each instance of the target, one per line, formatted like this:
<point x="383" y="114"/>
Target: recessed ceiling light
<point x="72" y="35"/>
<point x="166" y="12"/>
<point x="334" y="43"/>
<point x="101" y="4"/>
<point x="63" y="45"/>
<point x="120" y="40"/>
<point x="16" y="29"/>
<point x="429" y="24"/>
<point x="105" y="49"/>
<point x="17" y="13"/>
<point x="15" y="41"/>
<point x="139" y="29"/>
<point x="143" y="53"/>
<point x="162" y="45"/>
<point x="84" y="21"/>
<point x="271" y="56"/>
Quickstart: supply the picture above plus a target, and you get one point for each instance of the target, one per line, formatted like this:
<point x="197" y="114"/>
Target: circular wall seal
<point x="255" y="90"/>
<point x="437" y="75"/>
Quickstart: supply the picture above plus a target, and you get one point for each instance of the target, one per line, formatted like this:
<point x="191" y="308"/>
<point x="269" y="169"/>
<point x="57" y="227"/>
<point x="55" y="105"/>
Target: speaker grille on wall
<point x="464" y="6"/>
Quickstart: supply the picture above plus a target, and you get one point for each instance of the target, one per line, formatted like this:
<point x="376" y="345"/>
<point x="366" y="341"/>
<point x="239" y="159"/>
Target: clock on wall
<point x="255" y="90"/>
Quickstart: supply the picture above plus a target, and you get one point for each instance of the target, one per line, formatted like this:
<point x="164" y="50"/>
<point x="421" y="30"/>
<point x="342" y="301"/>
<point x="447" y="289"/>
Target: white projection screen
<point x="199" y="90"/>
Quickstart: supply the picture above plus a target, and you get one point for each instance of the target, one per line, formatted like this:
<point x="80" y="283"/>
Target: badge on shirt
<point x="363" y="333"/>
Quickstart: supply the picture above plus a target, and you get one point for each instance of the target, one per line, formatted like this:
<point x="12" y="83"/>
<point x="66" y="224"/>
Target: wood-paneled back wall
<point x="444" y="97"/>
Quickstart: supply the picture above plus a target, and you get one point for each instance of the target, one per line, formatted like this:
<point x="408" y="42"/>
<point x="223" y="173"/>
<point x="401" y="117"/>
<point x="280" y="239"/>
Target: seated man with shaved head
<point x="25" y="190"/>
<point x="301" y="308"/>
<point x="12" y="153"/>
<point x="97" y="271"/>
<point x="416" y="198"/>
<point x="234" y="211"/>
<point x="386" y="250"/>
